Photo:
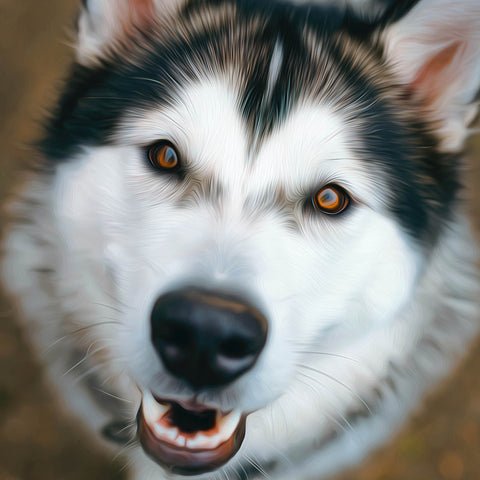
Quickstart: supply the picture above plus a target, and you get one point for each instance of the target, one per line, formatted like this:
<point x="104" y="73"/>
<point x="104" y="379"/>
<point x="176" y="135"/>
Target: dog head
<point x="245" y="197"/>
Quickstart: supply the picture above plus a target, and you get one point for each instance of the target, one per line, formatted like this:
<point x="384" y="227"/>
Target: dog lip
<point x="182" y="459"/>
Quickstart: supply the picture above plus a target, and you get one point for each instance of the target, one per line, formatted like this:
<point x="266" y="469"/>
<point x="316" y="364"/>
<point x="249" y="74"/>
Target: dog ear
<point x="434" y="47"/>
<point x="103" y="22"/>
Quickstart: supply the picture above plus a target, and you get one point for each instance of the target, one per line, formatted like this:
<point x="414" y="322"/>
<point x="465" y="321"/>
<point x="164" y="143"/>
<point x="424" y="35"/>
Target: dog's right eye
<point x="164" y="156"/>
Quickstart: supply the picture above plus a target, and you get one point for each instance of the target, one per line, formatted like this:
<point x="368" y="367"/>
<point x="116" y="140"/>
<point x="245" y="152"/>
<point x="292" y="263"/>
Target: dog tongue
<point x="185" y="441"/>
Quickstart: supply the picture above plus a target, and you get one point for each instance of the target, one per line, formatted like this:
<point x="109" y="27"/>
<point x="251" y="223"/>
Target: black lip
<point x="184" y="461"/>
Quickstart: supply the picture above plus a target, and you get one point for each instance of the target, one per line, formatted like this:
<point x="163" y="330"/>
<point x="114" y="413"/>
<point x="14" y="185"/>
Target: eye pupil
<point x="331" y="200"/>
<point x="163" y="156"/>
<point x="168" y="157"/>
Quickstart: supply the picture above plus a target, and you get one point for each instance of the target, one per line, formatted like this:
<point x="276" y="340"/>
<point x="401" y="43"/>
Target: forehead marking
<point x="312" y="146"/>
<point x="274" y="69"/>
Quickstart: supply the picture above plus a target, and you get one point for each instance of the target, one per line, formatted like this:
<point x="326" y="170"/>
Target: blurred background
<point x="38" y="441"/>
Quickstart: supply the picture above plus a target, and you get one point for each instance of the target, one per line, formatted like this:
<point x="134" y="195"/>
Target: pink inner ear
<point x="437" y="74"/>
<point x="143" y="8"/>
<point x="140" y="13"/>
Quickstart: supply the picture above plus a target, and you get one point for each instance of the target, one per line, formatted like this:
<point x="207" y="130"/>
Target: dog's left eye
<point x="164" y="156"/>
<point x="331" y="200"/>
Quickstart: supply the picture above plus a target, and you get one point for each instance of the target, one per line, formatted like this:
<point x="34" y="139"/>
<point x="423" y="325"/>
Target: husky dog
<point x="243" y="254"/>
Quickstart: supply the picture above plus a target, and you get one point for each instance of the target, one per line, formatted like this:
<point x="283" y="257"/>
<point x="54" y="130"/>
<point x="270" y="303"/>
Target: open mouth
<point x="186" y="438"/>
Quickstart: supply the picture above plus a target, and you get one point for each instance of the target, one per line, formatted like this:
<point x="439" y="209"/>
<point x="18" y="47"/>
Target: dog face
<point x="244" y="200"/>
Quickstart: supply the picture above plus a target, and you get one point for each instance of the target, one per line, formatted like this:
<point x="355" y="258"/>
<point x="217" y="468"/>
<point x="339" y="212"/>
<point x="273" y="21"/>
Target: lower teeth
<point x="155" y="416"/>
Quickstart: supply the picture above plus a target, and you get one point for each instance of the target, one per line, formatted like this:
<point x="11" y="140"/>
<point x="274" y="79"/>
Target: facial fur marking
<point x="274" y="70"/>
<point x="266" y="104"/>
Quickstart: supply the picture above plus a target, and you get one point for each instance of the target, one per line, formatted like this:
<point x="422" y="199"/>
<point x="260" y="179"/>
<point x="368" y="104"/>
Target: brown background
<point x="37" y="441"/>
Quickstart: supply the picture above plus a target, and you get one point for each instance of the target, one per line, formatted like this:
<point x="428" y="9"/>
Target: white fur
<point x="354" y="305"/>
<point x="348" y="288"/>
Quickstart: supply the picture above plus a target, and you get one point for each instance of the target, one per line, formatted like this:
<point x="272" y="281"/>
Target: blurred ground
<point x="37" y="441"/>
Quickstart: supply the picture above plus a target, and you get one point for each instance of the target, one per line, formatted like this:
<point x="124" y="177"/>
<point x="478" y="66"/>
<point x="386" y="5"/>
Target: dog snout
<point x="207" y="339"/>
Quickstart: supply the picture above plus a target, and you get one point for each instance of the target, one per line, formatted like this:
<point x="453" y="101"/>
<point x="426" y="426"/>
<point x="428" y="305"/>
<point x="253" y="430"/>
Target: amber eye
<point x="331" y="200"/>
<point x="163" y="156"/>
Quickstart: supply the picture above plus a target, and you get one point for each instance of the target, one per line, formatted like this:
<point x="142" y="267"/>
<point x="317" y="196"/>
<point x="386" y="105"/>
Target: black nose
<point x="207" y="339"/>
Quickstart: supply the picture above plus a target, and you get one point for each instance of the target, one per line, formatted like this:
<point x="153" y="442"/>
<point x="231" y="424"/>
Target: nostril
<point x="178" y="336"/>
<point x="173" y="339"/>
<point x="233" y="366"/>
<point x="205" y="338"/>
<point x="236" y="348"/>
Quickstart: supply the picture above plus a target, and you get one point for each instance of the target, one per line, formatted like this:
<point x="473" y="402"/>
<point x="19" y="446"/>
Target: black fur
<point x="422" y="180"/>
<point x="396" y="10"/>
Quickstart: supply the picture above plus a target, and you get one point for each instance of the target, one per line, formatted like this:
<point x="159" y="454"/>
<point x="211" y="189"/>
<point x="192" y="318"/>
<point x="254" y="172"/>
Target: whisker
<point x="113" y="396"/>
<point x="328" y="354"/>
<point x="129" y="425"/>
<point x="256" y="465"/>
<point x="88" y="354"/>
<point x="99" y="365"/>
<point x="225" y="474"/>
<point x="244" y="471"/>
<point x="353" y="392"/>
<point x="56" y="342"/>
<point x="80" y="330"/>
<point x="111" y="307"/>
<point x="130" y="445"/>
<point x="89" y="371"/>
<point x="347" y="426"/>
<point x="116" y="300"/>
